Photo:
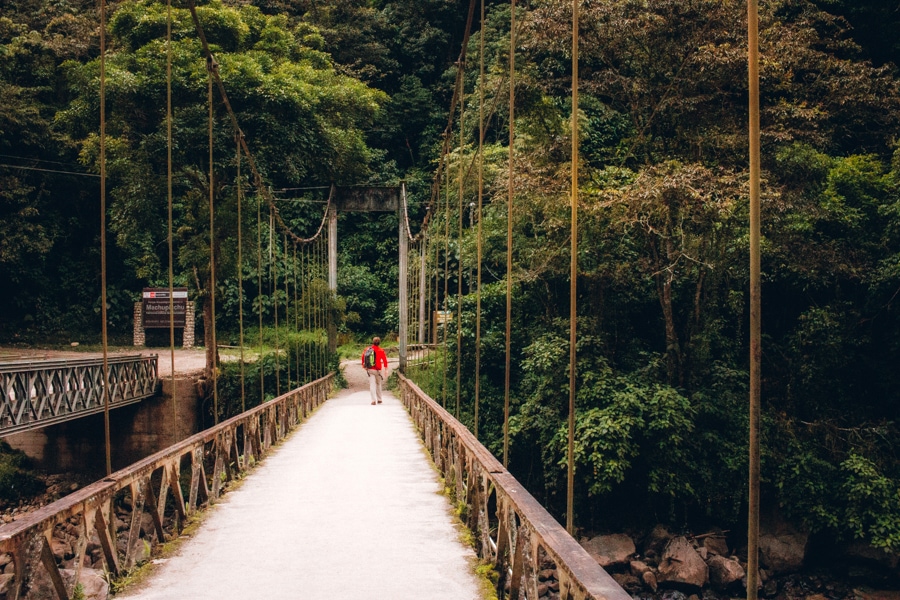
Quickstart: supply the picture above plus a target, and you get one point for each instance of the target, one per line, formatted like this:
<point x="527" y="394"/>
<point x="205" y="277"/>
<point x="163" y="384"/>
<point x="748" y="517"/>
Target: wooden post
<point x="404" y="262"/>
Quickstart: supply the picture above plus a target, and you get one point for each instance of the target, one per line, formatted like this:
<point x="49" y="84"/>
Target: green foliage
<point x="853" y="498"/>
<point x="873" y="503"/>
<point x="651" y="421"/>
<point x="356" y="92"/>
<point x="16" y="480"/>
<point x="300" y="357"/>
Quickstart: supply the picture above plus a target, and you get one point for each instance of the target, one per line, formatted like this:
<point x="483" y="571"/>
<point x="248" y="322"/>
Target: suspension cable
<point x="314" y="269"/>
<point x="273" y="287"/>
<point x="261" y="188"/>
<point x="457" y="91"/>
<point x="755" y="301"/>
<point x="103" y="310"/>
<point x="296" y="319"/>
<point x="259" y="298"/>
<point x="210" y="66"/>
<point x="435" y="269"/>
<point x="323" y="299"/>
<point x="287" y="351"/>
<point x="462" y="115"/>
<point x="509" y="226"/>
<point x="169" y="202"/>
<point x="478" y="234"/>
<point x="420" y="298"/>
<point x="445" y="321"/>
<point x="316" y="307"/>
<point x="240" y="270"/>
<point x="305" y="317"/>
<point x="573" y="278"/>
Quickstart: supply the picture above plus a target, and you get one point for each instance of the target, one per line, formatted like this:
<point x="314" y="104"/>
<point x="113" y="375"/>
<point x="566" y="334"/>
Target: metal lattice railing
<point x="127" y="514"/>
<point x="534" y="555"/>
<point x="44" y="392"/>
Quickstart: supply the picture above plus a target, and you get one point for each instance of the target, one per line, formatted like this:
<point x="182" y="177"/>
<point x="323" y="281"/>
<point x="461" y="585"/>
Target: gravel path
<point x="186" y="360"/>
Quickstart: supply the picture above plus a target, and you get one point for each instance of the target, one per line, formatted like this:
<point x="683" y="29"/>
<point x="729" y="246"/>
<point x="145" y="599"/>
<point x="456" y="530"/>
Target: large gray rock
<point x="61" y="549"/>
<point x="649" y="580"/>
<point x="716" y="544"/>
<point x="783" y="552"/>
<point x="638" y="568"/>
<point x="723" y="572"/>
<point x="610" y="550"/>
<point x="5" y="580"/>
<point x="92" y="583"/>
<point x="656" y="541"/>
<point x="682" y="565"/>
<point x="860" y="552"/>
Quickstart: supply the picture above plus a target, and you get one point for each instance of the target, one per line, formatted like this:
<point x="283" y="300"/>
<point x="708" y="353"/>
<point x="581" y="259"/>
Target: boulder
<point x="610" y="550"/>
<point x="682" y="565"/>
<point x="92" y="583"/>
<point x="638" y="568"/>
<point x="61" y="549"/>
<point x="628" y="582"/>
<point x="656" y="541"/>
<point x="649" y="580"/>
<point x="783" y="553"/>
<point x="148" y="528"/>
<point x="862" y="553"/>
<point x="723" y="572"/>
<point x="716" y="545"/>
<point x="673" y="595"/>
<point x="5" y="581"/>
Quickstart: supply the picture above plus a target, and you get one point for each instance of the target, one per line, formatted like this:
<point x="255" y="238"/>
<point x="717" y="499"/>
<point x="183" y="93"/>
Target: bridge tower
<point x="370" y="199"/>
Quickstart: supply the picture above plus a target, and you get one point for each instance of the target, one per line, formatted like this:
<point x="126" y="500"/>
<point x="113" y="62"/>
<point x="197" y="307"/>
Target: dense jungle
<point x="358" y="92"/>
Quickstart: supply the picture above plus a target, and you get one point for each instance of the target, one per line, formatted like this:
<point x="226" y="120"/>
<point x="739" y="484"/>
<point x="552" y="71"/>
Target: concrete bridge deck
<point x="349" y="507"/>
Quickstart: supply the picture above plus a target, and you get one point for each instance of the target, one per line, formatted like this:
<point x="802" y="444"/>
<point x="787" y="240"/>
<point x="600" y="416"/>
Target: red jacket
<point x="380" y="358"/>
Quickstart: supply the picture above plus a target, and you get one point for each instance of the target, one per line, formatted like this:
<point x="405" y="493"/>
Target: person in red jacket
<point x="374" y="369"/>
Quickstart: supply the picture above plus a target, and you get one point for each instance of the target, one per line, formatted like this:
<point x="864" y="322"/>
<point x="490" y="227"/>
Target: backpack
<point x="369" y="358"/>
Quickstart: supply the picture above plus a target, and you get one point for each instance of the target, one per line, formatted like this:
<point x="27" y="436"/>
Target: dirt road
<point x="186" y="361"/>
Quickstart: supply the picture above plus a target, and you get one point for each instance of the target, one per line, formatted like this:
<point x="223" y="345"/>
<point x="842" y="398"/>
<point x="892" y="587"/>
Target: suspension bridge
<point x="346" y="506"/>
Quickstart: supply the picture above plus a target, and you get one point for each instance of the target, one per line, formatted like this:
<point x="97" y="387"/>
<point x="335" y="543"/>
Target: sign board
<point x="155" y="306"/>
<point x="367" y="199"/>
<point x="443" y="316"/>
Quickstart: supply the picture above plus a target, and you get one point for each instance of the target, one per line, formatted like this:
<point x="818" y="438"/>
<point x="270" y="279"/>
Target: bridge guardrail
<point x="534" y="555"/>
<point x="37" y="393"/>
<point x="108" y="515"/>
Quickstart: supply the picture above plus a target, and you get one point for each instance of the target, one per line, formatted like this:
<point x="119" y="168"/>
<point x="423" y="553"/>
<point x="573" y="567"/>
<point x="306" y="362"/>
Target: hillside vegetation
<point x="357" y="92"/>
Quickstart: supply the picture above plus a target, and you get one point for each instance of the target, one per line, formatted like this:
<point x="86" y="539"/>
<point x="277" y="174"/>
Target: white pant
<point x="375" y="381"/>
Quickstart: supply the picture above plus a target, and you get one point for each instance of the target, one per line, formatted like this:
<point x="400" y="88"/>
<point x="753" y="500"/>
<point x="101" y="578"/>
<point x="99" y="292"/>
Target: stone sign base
<point x="140" y="334"/>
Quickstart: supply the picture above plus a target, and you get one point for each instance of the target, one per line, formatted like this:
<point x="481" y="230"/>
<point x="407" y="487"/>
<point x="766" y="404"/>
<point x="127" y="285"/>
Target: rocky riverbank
<point x="662" y="565"/>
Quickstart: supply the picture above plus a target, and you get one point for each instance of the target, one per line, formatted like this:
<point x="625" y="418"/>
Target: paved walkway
<point x="348" y="508"/>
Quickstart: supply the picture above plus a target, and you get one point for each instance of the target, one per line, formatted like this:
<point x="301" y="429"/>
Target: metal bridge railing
<point x="534" y="555"/>
<point x="43" y="392"/>
<point x="167" y="487"/>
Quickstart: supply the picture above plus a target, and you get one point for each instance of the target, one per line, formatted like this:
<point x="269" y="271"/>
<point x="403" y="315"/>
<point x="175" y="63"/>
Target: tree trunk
<point x="673" y="351"/>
